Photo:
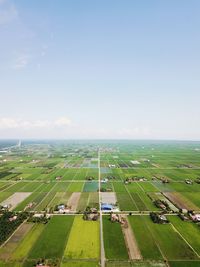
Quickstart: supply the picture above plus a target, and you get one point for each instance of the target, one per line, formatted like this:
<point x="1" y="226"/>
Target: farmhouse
<point x="158" y="218"/>
<point x="195" y="217"/>
<point x="41" y="264"/>
<point x="106" y="207"/>
<point x="58" y="178"/>
<point x="62" y="208"/>
<point x="163" y="218"/>
<point x="135" y="162"/>
<point x="111" y="165"/>
<point x="188" y="181"/>
<point x="109" y="207"/>
<point x="14" y="218"/>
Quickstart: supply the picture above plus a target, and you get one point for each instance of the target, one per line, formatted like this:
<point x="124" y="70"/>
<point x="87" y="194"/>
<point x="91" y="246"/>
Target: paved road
<point x="101" y="221"/>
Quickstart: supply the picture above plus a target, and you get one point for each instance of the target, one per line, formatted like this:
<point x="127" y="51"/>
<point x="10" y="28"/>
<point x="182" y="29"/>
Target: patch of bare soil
<point x="73" y="200"/>
<point x="155" y="165"/>
<point x="108" y="197"/>
<point x="8" y="248"/>
<point x="15" y="199"/>
<point x="131" y="243"/>
<point x="176" y="200"/>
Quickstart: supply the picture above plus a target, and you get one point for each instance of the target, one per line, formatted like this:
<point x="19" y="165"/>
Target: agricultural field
<point x="90" y="204"/>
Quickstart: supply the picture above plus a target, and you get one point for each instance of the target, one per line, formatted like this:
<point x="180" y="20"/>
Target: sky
<point x="100" y="69"/>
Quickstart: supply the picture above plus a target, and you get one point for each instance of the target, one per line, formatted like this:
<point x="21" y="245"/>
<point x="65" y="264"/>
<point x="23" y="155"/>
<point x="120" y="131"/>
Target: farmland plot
<point x="170" y="242"/>
<point x="145" y="240"/>
<point x="114" y="243"/>
<point x="86" y="245"/>
<point x="9" y="247"/>
<point x="126" y="203"/>
<point x="55" y="232"/>
<point x="15" y="199"/>
<point x="73" y="200"/>
<point x="26" y="244"/>
<point x="189" y="231"/>
<point x="108" y="197"/>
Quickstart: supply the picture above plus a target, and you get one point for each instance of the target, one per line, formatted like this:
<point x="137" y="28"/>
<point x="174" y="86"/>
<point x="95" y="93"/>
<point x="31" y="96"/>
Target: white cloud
<point x="8" y="123"/>
<point x="14" y="123"/>
<point x="63" y="121"/>
<point x="21" y="61"/>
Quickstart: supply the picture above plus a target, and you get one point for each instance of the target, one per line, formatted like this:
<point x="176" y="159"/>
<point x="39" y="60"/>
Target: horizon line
<point x="99" y="139"/>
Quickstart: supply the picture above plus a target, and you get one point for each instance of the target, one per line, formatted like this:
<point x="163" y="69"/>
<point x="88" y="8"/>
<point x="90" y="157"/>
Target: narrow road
<point x="100" y="212"/>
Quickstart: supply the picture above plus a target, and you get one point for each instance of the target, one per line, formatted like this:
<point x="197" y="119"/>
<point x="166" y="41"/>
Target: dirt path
<point x="131" y="243"/>
<point x="73" y="200"/>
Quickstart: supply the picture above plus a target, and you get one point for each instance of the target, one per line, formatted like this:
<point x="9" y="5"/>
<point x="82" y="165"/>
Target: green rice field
<point x="60" y="186"/>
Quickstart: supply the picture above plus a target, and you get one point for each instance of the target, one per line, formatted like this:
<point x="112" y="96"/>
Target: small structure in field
<point x="119" y="218"/>
<point x="109" y="207"/>
<point x="165" y="180"/>
<point x="161" y="204"/>
<point x="158" y="218"/>
<point x="135" y="162"/>
<point x="89" y="178"/>
<point x="58" y="178"/>
<point x="135" y="179"/>
<point x="197" y="180"/>
<point x="104" y="181"/>
<point x="195" y="217"/>
<point x="62" y="208"/>
<point x="41" y="264"/>
<point x="91" y="214"/>
<point x="14" y="218"/>
<point x="5" y="207"/>
<point x="30" y="205"/>
<point x="188" y="181"/>
<point x="112" y="166"/>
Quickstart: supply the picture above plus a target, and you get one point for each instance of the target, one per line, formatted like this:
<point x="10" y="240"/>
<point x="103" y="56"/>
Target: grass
<point x="61" y="187"/>
<point x="91" y="186"/>
<point x="188" y="230"/>
<point x="192" y="197"/>
<point x="52" y="241"/>
<point x="34" y="197"/>
<point x="85" y="245"/>
<point x="10" y="264"/>
<point x="170" y="242"/>
<point x="135" y="264"/>
<point x="4" y="195"/>
<point x="125" y="202"/>
<point x="44" y="203"/>
<point x="119" y="187"/>
<point x="138" y="201"/>
<point x="146" y="242"/>
<point x="79" y="264"/>
<point x="26" y="244"/>
<point x="75" y="187"/>
<point x="114" y="244"/>
<point x="134" y="188"/>
<point x="9" y="247"/>
<point x="184" y="263"/>
<point x="83" y="201"/>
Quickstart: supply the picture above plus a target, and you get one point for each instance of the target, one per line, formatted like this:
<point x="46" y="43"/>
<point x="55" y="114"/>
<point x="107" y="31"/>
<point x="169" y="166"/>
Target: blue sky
<point x="100" y="69"/>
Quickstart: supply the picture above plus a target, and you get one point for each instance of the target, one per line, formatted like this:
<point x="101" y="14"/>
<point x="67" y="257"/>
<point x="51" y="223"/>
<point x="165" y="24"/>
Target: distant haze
<point x="100" y="69"/>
